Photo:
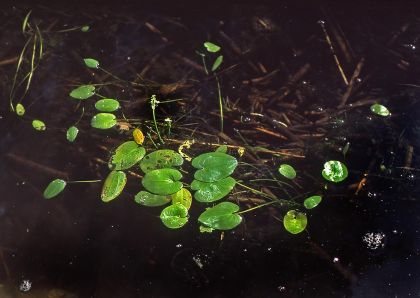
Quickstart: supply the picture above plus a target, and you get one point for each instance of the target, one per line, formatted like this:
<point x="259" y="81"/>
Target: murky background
<point x="278" y="66"/>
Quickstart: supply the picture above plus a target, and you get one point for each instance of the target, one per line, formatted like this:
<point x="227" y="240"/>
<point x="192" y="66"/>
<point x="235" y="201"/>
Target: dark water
<point x="364" y="245"/>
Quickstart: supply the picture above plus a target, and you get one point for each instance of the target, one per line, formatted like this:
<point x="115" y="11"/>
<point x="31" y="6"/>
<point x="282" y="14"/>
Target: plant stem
<point x="281" y="201"/>
<point x="154" y="103"/>
<point x="256" y="207"/>
<point x="83" y="181"/>
<point x="219" y="92"/>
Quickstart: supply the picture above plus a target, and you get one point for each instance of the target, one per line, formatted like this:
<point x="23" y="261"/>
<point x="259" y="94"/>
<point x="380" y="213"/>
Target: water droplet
<point x="374" y="240"/>
<point x="336" y="260"/>
<point x="372" y="195"/>
<point x="179" y="245"/>
<point x="25" y="285"/>
<point x="410" y="46"/>
<point x="281" y="288"/>
<point x="321" y="22"/>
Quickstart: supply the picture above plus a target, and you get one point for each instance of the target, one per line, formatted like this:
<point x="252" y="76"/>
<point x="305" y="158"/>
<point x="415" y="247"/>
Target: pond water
<point x="296" y="79"/>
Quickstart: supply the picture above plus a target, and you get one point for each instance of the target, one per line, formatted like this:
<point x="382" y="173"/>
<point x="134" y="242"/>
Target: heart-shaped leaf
<point x="83" y="92"/>
<point x="20" y="109"/>
<point x="126" y="156"/>
<point x="107" y="105"/>
<point x="217" y="63"/>
<point x="221" y="217"/>
<point x="72" y="133"/>
<point x="103" y="121"/>
<point x="91" y="63"/>
<point x="213" y="166"/>
<point x="334" y="171"/>
<point x="54" y="188"/>
<point x="151" y="200"/>
<point x="113" y="186"/>
<point x="380" y="110"/>
<point x="39" y="125"/>
<point x="182" y="197"/>
<point x="161" y="159"/>
<point x="174" y="216"/>
<point x="212" y="191"/>
<point x="162" y="181"/>
<point x="211" y="47"/>
<point x="312" y="202"/>
<point x="295" y="222"/>
<point x="287" y="171"/>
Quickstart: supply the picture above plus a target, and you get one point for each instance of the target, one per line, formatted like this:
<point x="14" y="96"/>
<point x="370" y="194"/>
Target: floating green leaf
<point x="204" y="229"/>
<point x="91" y="63"/>
<point x="334" y="171"/>
<point x="174" y="216"/>
<point x="103" y="121"/>
<point x="295" y="222"/>
<point x="213" y="166"/>
<point x="151" y="200"/>
<point x="161" y="159"/>
<point x="113" y="186"/>
<point x="217" y="63"/>
<point x="212" y="191"/>
<point x="287" y="171"/>
<point x="54" y="188"/>
<point x="126" y="156"/>
<point x="312" y="202"/>
<point x="39" y="125"/>
<point x="107" y="105"/>
<point x="380" y="110"/>
<point x="85" y="28"/>
<point x="83" y="92"/>
<point x="20" y="109"/>
<point x="211" y="47"/>
<point x="162" y="181"/>
<point x="183" y="196"/>
<point x="221" y="217"/>
<point x="72" y="133"/>
<point x="222" y="149"/>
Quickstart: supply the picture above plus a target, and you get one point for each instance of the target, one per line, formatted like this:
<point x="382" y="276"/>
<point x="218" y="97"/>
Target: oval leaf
<point x="113" y="186"/>
<point x="312" y="202"/>
<point x="72" y="133"/>
<point x="212" y="191"/>
<point x="221" y="217"/>
<point x="380" y="110"/>
<point x="103" y="121"/>
<point x="107" y="105"/>
<point x="83" y="92"/>
<point x="138" y="136"/>
<point x="334" y="171"/>
<point x="20" y="109"/>
<point x="91" y="63"/>
<point x="39" y="125"/>
<point x="148" y="199"/>
<point x="287" y="171"/>
<point x="162" y="181"/>
<point x="126" y="156"/>
<point x="295" y="222"/>
<point x="222" y="149"/>
<point x="213" y="166"/>
<point x="211" y="47"/>
<point x="174" y="216"/>
<point x="182" y="197"/>
<point x="161" y="159"/>
<point x="217" y="63"/>
<point x="54" y="188"/>
<point x="85" y="28"/>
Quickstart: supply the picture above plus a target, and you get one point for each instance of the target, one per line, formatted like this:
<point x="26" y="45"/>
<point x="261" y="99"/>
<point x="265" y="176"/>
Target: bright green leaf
<point x="83" y="92"/>
<point x="161" y="159"/>
<point x="212" y="191"/>
<point x="222" y="149"/>
<point x="380" y="110"/>
<point x="162" y="181"/>
<point x="107" y="105"/>
<point x="217" y="63"/>
<point x="126" y="156"/>
<point x="72" y="133"/>
<point x="287" y="171"/>
<point x="204" y="229"/>
<point x="39" y="125"/>
<point x="312" y="202"/>
<point x="213" y="166"/>
<point x="91" y="63"/>
<point x="113" y="186"/>
<point x="103" y="121"/>
<point x="54" y="188"/>
<point x="174" y="216"/>
<point x="151" y="200"/>
<point x="211" y="47"/>
<point x="183" y="196"/>
<point x="20" y="109"/>
<point x="295" y="222"/>
<point x="85" y="28"/>
<point x="335" y="171"/>
<point x="221" y="217"/>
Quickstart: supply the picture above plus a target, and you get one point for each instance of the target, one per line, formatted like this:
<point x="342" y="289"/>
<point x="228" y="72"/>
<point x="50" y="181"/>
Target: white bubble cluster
<point x="25" y="285"/>
<point x="374" y="240"/>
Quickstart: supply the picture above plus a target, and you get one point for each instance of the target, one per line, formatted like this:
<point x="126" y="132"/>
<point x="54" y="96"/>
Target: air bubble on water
<point x="269" y="248"/>
<point x="411" y="177"/>
<point x="319" y="109"/>
<point x="281" y="288"/>
<point x="358" y="80"/>
<point x="374" y="240"/>
<point x="321" y="22"/>
<point x="395" y="231"/>
<point x="25" y="285"/>
<point x="369" y="118"/>
<point x="335" y="260"/>
<point x="128" y="58"/>
<point x="179" y="245"/>
<point x="410" y="46"/>
<point x="198" y="261"/>
<point x="372" y="194"/>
